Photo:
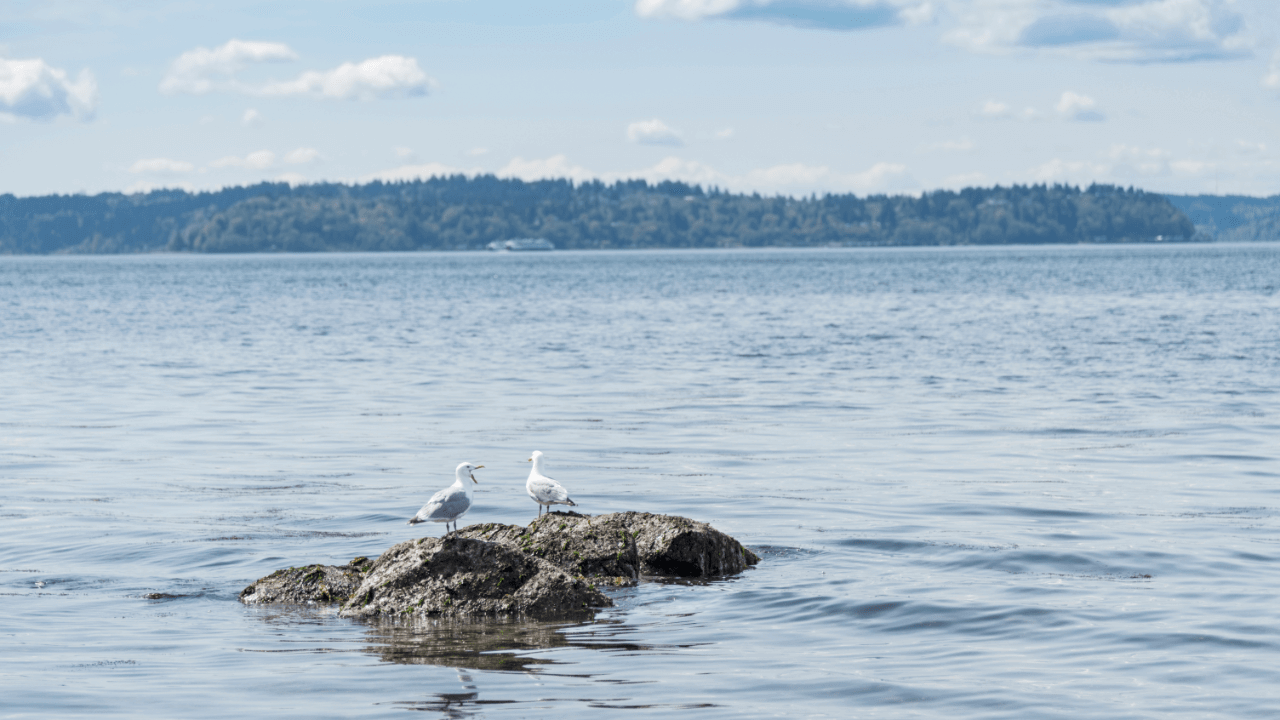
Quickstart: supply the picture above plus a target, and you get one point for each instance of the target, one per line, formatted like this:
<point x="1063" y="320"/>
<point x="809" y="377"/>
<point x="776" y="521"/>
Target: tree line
<point x="467" y="213"/>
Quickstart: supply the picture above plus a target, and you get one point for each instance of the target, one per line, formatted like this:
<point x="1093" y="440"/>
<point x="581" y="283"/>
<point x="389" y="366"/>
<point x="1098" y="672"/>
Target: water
<point x="989" y="483"/>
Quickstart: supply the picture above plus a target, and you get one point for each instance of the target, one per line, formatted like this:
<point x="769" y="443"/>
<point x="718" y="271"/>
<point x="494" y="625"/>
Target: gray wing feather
<point x="443" y="505"/>
<point x="547" y="490"/>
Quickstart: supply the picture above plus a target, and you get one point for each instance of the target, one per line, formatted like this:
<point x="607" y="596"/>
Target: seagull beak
<point x="529" y="460"/>
<point x="473" y="477"/>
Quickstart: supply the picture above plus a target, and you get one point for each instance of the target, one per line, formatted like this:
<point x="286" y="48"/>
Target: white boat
<point x="522" y="245"/>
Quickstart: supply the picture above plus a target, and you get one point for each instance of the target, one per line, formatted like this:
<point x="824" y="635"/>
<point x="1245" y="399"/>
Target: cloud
<point x="556" y="166"/>
<point x="724" y="134"/>
<point x="259" y="160"/>
<point x="251" y="118"/>
<point x="203" y="70"/>
<point x="826" y="14"/>
<point x="376" y="77"/>
<point x="1123" y="163"/>
<point x="1079" y="107"/>
<point x="1272" y="78"/>
<point x="995" y="109"/>
<point x="33" y="90"/>
<point x="293" y="178"/>
<point x="653" y="132"/>
<point x="424" y="171"/>
<point x="1139" y="31"/>
<point x="302" y="156"/>
<point x="161" y="166"/>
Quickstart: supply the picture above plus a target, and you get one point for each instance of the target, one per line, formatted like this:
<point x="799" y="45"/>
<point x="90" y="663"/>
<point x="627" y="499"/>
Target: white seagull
<point x="452" y="502"/>
<point x="543" y="489"/>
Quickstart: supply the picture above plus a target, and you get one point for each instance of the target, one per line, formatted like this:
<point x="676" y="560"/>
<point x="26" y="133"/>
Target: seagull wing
<point x="545" y="490"/>
<point x="448" y="504"/>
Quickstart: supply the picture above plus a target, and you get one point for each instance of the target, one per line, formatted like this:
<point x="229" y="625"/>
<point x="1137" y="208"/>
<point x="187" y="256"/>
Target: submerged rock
<point x="619" y="548"/>
<point x="310" y="584"/>
<point x="459" y="576"/>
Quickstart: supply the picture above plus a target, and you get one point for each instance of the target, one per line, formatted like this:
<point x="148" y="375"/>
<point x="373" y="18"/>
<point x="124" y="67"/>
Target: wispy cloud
<point x="785" y="179"/>
<point x="1141" y="31"/>
<point x="259" y="160"/>
<point x="376" y="77"/>
<point x="653" y="132"/>
<point x="827" y="14"/>
<point x="202" y="70"/>
<point x="33" y="90"/>
<point x="1109" y="30"/>
<point x="302" y="156"/>
<point x="161" y="166"/>
<point x="1079" y="107"/>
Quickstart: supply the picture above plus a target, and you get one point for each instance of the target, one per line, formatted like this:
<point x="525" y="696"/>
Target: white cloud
<point x="259" y="160"/>
<point x="964" y="180"/>
<point x="828" y="14"/>
<point x="405" y="153"/>
<point x="375" y="77"/>
<point x="994" y="109"/>
<point x="202" y="70"/>
<point x="161" y="166"/>
<point x="34" y="90"/>
<point x="478" y="151"/>
<point x="1272" y="78"/>
<point x="1109" y="30"/>
<point x="425" y="171"/>
<point x="725" y="134"/>
<point x="787" y="179"/>
<point x="1075" y="171"/>
<point x="251" y="118"/>
<point x="556" y="166"/>
<point x="302" y="156"/>
<point x="653" y="132"/>
<point x="674" y="168"/>
<point x="293" y="178"/>
<point x="1079" y="107"/>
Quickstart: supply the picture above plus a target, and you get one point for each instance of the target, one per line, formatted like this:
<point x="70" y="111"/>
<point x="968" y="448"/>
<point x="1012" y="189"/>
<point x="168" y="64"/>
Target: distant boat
<point x="521" y="245"/>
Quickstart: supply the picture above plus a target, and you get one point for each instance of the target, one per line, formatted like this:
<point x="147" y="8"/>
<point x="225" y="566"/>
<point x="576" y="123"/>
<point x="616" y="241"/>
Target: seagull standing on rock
<point x="545" y="491"/>
<point x="452" y="502"/>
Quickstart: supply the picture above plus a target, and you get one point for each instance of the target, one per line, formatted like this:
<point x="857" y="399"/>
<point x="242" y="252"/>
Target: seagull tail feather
<point x="567" y="501"/>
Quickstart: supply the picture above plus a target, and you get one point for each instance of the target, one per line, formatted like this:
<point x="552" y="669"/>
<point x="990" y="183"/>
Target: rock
<point x="621" y="547"/>
<point x="312" y="584"/>
<point x="548" y="569"/>
<point x="460" y="576"/>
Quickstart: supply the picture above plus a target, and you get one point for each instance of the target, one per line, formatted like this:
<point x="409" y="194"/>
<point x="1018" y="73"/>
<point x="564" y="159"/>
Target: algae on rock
<point x="309" y="584"/>
<point x="619" y="548"/>
<point x="459" y="576"/>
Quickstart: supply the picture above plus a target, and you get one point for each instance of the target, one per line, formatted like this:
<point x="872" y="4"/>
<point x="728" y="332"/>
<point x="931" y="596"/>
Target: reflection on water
<point x="477" y="644"/>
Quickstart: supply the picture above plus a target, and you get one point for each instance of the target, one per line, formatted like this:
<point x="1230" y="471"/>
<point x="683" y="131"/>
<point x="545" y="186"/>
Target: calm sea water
<point x="986" y="483"/>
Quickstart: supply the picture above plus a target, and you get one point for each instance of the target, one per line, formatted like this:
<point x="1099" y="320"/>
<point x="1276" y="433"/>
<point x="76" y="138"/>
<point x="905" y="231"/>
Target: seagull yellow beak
<point x="529" y="460"/>
<point x="473" y="477"/>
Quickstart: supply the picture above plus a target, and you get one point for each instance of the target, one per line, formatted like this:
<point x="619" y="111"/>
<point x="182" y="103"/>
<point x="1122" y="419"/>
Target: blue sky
<point x="774" y="96"/>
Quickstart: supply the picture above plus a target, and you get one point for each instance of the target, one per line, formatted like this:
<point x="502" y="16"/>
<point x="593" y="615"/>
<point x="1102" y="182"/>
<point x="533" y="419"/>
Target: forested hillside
<point x="459" y="213"/>
<point x="1232" y="218"/>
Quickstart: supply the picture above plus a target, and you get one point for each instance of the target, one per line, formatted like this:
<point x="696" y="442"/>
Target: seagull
<point x="452" y="502"/>
<point x="543" y="489"/>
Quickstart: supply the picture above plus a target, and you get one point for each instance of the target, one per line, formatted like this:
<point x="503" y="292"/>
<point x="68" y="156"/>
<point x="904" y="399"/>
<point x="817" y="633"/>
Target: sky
<point x="772" y="96"/>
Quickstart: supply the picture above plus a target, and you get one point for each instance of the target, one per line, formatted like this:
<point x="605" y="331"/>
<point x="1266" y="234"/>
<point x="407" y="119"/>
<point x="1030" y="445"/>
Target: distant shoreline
<point x="469" y="213"/>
